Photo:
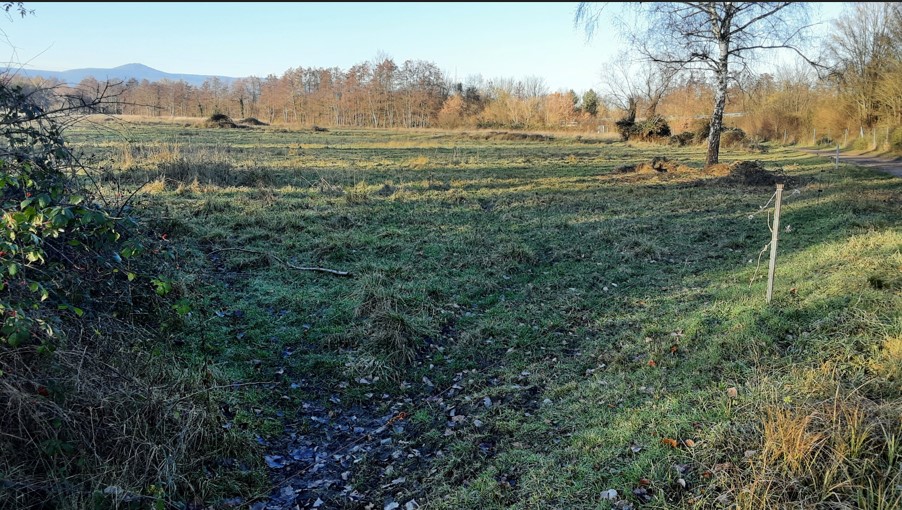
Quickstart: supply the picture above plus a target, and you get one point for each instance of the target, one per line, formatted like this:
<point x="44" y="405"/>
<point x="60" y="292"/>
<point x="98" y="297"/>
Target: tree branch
<point x="286" y="264"/>
<point x="758" y="18"/>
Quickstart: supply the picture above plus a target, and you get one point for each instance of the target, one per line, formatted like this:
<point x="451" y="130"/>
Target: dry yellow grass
<point x="821" y="455"/>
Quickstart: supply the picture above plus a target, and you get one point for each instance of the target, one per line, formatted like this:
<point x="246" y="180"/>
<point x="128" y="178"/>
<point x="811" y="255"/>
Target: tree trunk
<point x="720" y="103"/>
<point x="652" y="108"/>
<point x="632" y="106"/>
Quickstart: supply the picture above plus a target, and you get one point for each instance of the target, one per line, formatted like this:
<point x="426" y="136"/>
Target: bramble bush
<point x="58" y="240"/>
<point x="96" y="409"/>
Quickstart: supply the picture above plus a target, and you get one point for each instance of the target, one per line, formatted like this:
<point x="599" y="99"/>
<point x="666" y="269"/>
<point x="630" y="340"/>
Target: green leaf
<point x="74" y="309"/>
<point x="16" y="338"/>
<point x="12" y="269"/>
<point x="60" y="220"/>
<point x="76" y="199"/>
<point x="182" y="307"/>
<point x="162" y="287"/>
<point x="131" y="276"/>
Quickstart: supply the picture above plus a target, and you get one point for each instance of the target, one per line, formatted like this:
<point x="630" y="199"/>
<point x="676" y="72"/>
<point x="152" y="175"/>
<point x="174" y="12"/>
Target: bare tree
<point x="864" y="51"/>
<point x="711" y="36"/>
<point x="631" y="83"/>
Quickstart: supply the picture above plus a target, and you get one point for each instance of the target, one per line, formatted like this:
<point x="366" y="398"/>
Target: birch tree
<point x="719" y="37"/>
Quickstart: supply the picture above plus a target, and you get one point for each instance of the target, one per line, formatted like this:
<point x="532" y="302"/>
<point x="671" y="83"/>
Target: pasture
<point x="528" y="323"/>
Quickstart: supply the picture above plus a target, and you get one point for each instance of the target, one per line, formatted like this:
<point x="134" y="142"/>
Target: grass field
<point x="526" y="326"/>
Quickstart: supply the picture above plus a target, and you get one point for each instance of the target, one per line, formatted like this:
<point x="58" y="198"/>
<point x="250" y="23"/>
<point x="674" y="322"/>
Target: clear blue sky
<point x="509" y="40"/>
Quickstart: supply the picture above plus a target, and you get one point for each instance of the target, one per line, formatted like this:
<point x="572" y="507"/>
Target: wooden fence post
<point x="775" y="233"/>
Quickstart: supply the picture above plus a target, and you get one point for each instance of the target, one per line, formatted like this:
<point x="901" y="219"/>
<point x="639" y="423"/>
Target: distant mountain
<point x="121" y="73"/>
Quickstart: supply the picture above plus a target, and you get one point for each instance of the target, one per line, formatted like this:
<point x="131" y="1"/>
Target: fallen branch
<point x="219" y="387"/>
<point x="286" y="264"/>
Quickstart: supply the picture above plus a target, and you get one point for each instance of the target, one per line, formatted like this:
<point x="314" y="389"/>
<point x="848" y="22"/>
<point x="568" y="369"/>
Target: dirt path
<point x="889" y="166"/>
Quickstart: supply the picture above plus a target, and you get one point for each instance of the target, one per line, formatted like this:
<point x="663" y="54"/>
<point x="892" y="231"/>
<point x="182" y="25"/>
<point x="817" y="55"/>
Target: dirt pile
<point x="511" y="136"/>
<point x="252" y="121"/>
<point x="658" y="164"/>
<point x="220" y="120"/>
<point x="747" y="173"/>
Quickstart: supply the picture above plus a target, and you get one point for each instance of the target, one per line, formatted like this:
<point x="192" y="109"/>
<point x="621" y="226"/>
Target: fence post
<point x="836" y="163"/>
<point x="775" y="233"/>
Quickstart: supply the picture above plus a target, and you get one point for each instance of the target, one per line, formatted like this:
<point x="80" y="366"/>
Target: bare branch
<point x="286" y="264"/>
<point x="764" y="15"/>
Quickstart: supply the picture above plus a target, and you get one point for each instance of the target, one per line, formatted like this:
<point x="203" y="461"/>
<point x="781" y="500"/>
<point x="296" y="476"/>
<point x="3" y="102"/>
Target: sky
<point x="494" y="40"/>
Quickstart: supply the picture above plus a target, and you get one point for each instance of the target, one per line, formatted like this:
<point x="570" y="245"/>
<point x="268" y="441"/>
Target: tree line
<point x="855" y="95"/>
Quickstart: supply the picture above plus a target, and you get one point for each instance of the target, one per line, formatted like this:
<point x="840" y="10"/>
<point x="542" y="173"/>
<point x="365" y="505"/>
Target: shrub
<point x="701" y="128"/>
<point x="895" y="139"/>
<point x="683" y="139"/>
<point x="753" y="145"/>
<point x="729" y="136"/>
<point x="824" y="141"/>
<point x="49" y="223"/>
<point x="91" y="415"/>
<point x="861" y="143"/>
<point x="732" y="137"/>
<point x="625" y="127"/>
<point x="652" y="128"/>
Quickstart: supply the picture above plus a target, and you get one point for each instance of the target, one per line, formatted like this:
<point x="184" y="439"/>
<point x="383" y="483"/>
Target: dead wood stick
<point x="289" y="265"/>
<point x="219" y="387"/>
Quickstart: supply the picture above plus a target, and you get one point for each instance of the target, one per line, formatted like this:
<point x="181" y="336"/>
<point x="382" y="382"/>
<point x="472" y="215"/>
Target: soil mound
<point x="748" y="173"/>
<point x="512" y="136"/>
<point x="252" y="121"/>
<point x="219" y="120"/>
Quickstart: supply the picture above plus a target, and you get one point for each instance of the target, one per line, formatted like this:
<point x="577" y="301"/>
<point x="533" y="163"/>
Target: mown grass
<point x="615" y="322"/>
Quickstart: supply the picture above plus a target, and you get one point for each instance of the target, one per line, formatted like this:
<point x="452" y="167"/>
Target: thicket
<point x="96" y="407"/>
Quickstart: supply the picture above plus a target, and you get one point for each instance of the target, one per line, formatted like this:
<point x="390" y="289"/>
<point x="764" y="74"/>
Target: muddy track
<point x="375" y="456"/>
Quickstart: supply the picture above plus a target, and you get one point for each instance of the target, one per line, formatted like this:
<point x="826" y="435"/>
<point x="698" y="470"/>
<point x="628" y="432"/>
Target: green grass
<point x="531" y="273"/>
